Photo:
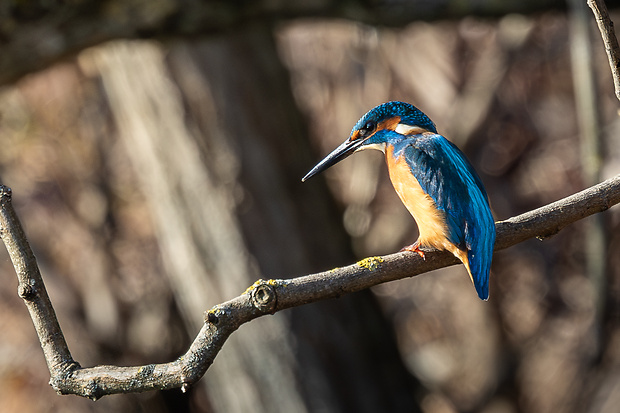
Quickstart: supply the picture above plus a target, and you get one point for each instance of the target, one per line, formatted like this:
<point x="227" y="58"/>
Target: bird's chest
<point x="430" y="220"/>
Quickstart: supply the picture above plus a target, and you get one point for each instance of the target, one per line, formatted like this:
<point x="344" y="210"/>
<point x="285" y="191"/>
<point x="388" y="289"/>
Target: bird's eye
<point x="368" y="128"/>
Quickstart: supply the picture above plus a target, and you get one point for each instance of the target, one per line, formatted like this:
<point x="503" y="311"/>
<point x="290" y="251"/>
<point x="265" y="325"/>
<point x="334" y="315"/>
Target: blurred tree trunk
<point x="220" y="151"/>
<point x="36" y="33"/>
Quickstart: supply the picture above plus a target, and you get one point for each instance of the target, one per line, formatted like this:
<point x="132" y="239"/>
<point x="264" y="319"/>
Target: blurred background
<point x="156" y="179"/>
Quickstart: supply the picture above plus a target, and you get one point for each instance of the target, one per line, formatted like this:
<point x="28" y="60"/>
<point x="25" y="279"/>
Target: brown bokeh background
<point x="156" y="179"/>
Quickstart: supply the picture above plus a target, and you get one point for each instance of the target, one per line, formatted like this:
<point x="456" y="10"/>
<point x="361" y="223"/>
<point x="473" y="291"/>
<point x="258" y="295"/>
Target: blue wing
<point x="449" y="179"/>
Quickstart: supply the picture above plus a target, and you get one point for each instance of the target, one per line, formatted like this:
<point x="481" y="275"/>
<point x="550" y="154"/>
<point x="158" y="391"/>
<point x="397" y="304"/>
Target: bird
<point x="434" y="180"/>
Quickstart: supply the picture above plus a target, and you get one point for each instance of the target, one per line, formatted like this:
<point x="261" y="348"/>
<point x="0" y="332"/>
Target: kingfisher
<point x="435" y="181"/>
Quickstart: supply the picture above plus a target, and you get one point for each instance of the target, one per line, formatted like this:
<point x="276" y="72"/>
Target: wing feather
<point x="449" y="179"/>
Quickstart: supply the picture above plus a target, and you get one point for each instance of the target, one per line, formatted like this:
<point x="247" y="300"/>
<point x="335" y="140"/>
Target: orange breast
<point x="431" y="221"/>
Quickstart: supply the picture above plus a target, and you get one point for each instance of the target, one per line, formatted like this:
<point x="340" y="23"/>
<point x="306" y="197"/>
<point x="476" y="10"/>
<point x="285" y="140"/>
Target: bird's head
<point x="390" y="120"/>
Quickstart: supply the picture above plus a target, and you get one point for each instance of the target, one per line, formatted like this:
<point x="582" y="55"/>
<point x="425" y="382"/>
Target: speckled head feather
<point x="409" y="115"/>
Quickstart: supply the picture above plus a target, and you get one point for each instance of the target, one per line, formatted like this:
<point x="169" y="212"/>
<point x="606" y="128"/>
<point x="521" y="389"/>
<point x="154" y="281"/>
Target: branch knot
<point x="25" y="291"/>
<point x="263" y="296"/>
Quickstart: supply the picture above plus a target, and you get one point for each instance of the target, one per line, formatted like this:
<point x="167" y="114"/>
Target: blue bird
<point x="434" y="180"/>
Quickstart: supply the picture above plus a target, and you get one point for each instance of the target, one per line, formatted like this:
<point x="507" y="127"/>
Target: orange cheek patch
<point x="389" y="124"/>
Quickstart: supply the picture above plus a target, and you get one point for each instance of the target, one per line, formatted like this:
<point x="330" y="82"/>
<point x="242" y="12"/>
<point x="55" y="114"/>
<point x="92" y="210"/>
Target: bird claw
<point x="415" y="247"/>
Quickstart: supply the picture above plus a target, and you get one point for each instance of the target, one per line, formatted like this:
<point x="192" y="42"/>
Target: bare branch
<point x="264" y="297"/>
<point x="32" y="290"/>
<point x="606" y="27"/>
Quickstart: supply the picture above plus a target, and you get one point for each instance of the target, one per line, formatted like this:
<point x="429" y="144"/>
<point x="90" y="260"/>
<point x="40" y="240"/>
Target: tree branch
<point x="264" y="297"/>
<point x="606" y="27"/>
<point x="32" y="290"/>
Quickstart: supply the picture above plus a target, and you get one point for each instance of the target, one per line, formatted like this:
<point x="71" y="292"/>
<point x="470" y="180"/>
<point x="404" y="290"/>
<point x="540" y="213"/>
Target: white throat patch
<point x="377" y="146"/>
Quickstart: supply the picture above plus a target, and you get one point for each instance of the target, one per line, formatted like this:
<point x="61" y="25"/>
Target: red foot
<point x="415" y="247"/>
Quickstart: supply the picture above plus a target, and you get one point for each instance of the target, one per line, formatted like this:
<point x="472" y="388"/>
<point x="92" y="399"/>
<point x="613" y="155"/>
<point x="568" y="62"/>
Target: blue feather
<point x="408" y="113"/>
<point x="449" y="179"/>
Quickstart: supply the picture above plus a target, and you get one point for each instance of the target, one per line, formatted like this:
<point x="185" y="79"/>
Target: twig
<point x="606" y="27"/>
<point x="32" y="290"/>
<point x="264" y="297"/>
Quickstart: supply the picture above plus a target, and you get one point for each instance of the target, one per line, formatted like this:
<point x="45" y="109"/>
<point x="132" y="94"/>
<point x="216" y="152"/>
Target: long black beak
<point x="337" y="155"/>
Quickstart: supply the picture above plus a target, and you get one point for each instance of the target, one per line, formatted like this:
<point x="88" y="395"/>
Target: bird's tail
<point x="478" y="271"/>
<point x="479" y="267"/>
